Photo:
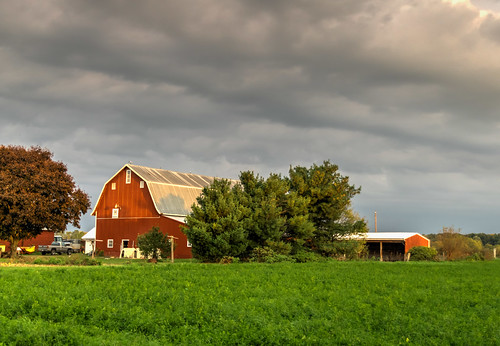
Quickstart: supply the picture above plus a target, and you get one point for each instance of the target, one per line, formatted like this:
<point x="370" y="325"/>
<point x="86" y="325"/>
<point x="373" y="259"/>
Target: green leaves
<point x="154" y="243"/>
<point x="309" y="210"/>
<point x="216" y="227"/>
<point x="36" y="193"/>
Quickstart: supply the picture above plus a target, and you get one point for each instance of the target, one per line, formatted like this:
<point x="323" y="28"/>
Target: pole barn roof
<point x="381" y="236"/>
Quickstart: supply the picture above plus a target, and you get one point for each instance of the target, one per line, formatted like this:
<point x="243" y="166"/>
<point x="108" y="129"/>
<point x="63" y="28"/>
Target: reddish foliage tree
<point x="36" y="194"/>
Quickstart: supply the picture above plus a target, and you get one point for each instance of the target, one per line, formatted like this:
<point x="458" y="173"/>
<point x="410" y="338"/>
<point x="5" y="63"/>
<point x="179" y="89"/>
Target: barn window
<point x="128" y="177"/>
<point x="141" y="184"/>
<point x="115" y="213"/>
<point x="189" y="244"/>
<point x="110" y="243"/>
<point x="113" y="186"/>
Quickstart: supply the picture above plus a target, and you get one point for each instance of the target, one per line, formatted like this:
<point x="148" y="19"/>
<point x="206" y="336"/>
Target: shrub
<point x="344" y="249"/>
<point x="267" y="255"/>
<point x="306" y="256"/>
<point x="153" y="244"/>
<point x="422" y="253"/>
<point x="229" y="259"/>
<point x="475" y="257"/>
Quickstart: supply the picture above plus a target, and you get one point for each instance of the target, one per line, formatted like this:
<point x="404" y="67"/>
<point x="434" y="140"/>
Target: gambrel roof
<point x="173" y="193"/>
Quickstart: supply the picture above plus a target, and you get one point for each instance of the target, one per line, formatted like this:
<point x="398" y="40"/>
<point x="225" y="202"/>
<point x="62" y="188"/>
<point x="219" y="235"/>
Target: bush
<point x="475" y="257"/>
<point x="344" y="249"/>
<point x="267" y="255"/>
<point x="422" y="253"/>
<point x="306" y="256"/>
<point x="153" y="244"/>
<point x="229" y="259"/>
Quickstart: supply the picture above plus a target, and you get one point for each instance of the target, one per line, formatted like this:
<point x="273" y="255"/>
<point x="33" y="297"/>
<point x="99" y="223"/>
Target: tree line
<point x="305" y="213"/>
<point x="450" y="244"/>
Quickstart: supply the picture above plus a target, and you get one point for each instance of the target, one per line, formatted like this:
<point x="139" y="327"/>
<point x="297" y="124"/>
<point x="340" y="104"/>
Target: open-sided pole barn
<point x="392" y="246"/>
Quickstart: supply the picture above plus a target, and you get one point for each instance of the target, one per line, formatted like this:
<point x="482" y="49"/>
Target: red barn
<point x="138" y="198"/>
<point x="393" y="245"/>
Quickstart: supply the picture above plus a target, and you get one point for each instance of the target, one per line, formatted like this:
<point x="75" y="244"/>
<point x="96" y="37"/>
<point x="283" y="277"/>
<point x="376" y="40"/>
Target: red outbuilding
<point x="43" y="238"/>
<point x="138" y="198"/>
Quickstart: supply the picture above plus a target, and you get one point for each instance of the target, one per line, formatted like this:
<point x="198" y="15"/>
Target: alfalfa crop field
<point x="351" y="303"/>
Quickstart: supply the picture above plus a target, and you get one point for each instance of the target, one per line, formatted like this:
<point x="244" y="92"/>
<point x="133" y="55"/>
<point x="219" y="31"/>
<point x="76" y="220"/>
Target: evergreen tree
<point x="309" y="210"/>
<point x="216" y="226"/>
<point x="329" y="195"/>
<point x="265" y="198"/>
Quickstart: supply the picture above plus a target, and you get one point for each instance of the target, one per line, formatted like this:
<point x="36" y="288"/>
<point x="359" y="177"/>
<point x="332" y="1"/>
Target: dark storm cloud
<point x="403" y="95"/>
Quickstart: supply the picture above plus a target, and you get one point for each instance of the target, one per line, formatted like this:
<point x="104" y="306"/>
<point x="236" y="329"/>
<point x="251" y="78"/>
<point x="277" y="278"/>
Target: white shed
<point x="89" y="238"/>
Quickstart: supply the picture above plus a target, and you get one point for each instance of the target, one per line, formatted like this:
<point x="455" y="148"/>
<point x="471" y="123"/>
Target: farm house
<point x="393" y="246"/>
<point x="138" y="198"/>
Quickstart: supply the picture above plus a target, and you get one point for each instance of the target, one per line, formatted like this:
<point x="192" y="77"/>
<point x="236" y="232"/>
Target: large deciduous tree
<point x="36" y="194"/>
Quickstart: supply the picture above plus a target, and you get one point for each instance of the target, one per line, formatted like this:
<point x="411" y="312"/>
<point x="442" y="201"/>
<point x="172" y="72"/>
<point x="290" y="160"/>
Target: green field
<point x="370" y="303"/>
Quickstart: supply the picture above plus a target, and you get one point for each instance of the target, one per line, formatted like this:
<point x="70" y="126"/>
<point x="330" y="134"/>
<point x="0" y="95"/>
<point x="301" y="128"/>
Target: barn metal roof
<point x="165" y="177"/>
<point x="173" y="193"/>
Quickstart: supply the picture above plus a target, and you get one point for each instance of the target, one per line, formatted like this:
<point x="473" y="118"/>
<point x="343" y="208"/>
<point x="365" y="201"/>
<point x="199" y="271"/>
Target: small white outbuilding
<point x="89" y="239"/>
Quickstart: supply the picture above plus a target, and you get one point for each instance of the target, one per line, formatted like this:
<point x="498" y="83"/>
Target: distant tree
<point x="36" y="194"/>
<point x="329" y="194"/>
<point x="492" y="239"/>
<point x="453" y="245"/>
<point x="76" y="234"/>
<point x="154" y="244"/>
<point x="216" y="226"/>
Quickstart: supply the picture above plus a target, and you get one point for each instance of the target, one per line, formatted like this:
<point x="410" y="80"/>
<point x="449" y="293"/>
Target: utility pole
<point x="375" y="221"/>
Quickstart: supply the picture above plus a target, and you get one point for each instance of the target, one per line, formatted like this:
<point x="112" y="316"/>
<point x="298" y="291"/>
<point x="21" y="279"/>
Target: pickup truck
<point x="57" y="247"/>
<point x="75" y="244"/>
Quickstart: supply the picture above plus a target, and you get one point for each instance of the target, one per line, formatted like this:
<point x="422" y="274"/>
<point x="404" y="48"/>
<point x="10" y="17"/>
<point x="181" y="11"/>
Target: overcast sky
<point x="404" y="96"/>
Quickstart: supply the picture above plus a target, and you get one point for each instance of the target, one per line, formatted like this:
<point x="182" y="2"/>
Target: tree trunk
<point x="13" y="247"/>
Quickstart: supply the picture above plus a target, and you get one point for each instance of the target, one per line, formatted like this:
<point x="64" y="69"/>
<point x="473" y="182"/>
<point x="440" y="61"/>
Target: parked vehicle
<point x="76" y="244"/>
<point x="57" y="247"/>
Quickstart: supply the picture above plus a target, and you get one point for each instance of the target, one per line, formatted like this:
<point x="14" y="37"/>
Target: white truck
<point x="60" y="246"/>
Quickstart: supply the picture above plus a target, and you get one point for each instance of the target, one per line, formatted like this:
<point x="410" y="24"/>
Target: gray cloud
<point x="402" y="95"/>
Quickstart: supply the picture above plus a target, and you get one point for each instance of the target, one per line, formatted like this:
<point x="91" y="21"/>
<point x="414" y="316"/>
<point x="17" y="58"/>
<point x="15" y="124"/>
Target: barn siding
<point x="174" y="228"/>
<point x="119" y="229"/>
<point x="416" y="240"/>
<point x="44" y="238"/>
<point x="130" y="198"/>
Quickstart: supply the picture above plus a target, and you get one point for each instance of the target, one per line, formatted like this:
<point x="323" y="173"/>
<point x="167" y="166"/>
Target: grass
<point x="371" y="303"/>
